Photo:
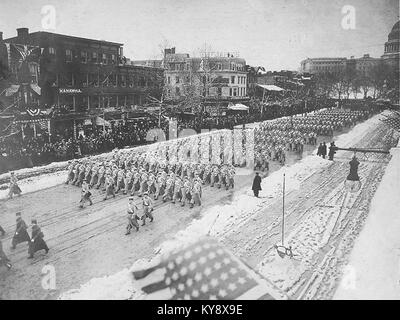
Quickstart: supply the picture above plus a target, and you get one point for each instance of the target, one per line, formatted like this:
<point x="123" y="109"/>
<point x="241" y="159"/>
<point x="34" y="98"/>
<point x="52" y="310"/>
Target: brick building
<point x="83" y="77"/>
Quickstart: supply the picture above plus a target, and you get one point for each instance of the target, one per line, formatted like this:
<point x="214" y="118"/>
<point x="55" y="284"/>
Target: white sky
<point x="275" y="34"/>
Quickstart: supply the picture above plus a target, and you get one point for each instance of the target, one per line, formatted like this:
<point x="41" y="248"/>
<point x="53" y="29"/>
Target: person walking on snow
<point x="256" y="185"/>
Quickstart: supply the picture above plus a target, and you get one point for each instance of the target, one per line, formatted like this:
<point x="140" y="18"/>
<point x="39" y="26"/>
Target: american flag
<point x="203" y="270"/>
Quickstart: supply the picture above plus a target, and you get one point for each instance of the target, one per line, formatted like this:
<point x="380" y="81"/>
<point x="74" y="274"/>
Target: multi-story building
<point x="363" y="65"/>
<point x="217" y="79"/>
<point x="86" y="76"/>
<point x="323" y="65"/>
<point x="391" y="54"/>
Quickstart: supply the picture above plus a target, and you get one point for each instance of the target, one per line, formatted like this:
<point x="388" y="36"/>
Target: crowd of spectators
<point x="16" y="152"/>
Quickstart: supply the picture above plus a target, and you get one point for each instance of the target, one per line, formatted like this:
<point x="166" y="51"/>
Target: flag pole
<point x="283" y="210"/>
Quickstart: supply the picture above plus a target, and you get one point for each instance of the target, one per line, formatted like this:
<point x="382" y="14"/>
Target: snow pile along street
<point x="374" y="266"/>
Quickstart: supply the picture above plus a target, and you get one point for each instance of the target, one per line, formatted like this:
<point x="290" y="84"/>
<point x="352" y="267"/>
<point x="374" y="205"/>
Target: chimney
<point x="173" y="50"/>
<point x="1" y="36"/>
<point x="23" y="33"/>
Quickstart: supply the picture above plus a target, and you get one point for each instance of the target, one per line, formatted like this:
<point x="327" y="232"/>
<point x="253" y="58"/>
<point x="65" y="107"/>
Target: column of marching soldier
<point x="134" y="174"/>
<point x="182" y="181"/>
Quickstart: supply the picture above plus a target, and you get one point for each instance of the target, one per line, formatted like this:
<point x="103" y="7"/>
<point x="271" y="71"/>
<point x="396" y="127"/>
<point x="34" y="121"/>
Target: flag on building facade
<point x="203" y="270"/>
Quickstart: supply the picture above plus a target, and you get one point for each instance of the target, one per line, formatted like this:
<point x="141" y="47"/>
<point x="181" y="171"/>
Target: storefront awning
<point x="270" y="87"/>
<point x="238" y="107"/>
<point x="101" y="122"/>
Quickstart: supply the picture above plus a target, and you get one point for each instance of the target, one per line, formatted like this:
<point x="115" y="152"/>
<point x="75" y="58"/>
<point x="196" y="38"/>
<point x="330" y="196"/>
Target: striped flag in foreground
<point x="203" y="270"/>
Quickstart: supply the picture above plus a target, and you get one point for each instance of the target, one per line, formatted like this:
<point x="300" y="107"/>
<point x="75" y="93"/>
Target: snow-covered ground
<point x="373" y="271"/>
<point x="222" y="220"/>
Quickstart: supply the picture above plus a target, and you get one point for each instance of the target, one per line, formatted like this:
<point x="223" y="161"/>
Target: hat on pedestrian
<point x="130" y="198"/>
<point x="146" y="194"/>
<point x="34" y="221"/>
<point x="18" y="214"/>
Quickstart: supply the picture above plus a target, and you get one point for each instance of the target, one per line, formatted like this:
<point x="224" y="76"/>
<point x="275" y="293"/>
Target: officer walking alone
<point x="256" y="185"/>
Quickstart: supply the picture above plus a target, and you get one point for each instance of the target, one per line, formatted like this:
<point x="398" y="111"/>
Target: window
<point x="219" y="66"/>
<point x="169" y="79"/>
<point x="234" y="92"/>
<point x="94" y="79"/>
<point x="130" y="80"/>
<point x="85" y="80"/>
<point x="94" y="57"/>
<point x="123" y="80"/>
<point x="83" y="56"/>
<point x="68" y="55"/>
<point x="230" y="92"/>
<point x="104" y="59"/>
<point x="70" y="80"/>
<point x="232" y="79"/>
<point x="52" y="50"/>
<point x="113" y="59"/>
<point x="33" y="70"/>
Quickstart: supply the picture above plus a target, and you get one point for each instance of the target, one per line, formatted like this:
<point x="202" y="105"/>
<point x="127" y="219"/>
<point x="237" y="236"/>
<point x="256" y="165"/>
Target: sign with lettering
<point x="69" y="90"/>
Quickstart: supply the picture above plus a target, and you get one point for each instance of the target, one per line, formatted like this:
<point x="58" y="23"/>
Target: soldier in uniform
<point x="128" y="181"/>
<point x="101" y="177"/>
<point x="120" y="180"/>
<point x="196" y="193"/>
<point x="143" y="183"/>
<point x="85" y="194"/>
<point x="81" y="176"/>
<point x="132" y="216"/>
<point x="177" y="189"/>
<point x="186" y="191"/>
<point x="21" y="235"/>
<point x="37" y="242"/>
<point x="95" y="176"/>
<point x="109" y="187"/>
<point x="3" y="258"/>
<point x="169" y="189"/>
<point x="136" y="182"/>
<point x="147" y="208"/>
<point x="13" y="187"/>
<point x="70" y="176"/>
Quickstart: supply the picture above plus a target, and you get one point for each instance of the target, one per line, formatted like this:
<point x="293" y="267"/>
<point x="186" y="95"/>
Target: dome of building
<point x="395" y="33"/>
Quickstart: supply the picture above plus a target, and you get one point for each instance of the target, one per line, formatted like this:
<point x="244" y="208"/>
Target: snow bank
<point x="38" y="182"/>
<point x="375" y="258"/>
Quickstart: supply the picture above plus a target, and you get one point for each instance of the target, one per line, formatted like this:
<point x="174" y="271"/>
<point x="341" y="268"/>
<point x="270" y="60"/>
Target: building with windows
<point x="217" y="79"/>
<point x="364" y="65"/>
<point x="323" y="65"/>
<point x="84" y="77"/>
<point x="391" y="54"/>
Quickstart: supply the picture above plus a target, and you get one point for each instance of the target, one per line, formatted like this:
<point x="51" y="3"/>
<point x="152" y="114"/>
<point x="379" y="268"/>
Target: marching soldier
<point x="177" y="189"/>
<point x="13" y="187"/>
<point x="147" y="208"/>
<point x="109" y="187"/>
<point x="37" y="242"/>
<point x="3" y="258"/>
<point x="143" y="183"/>
<point x="120" y="180"/>
<point x="85" y="194"/>
<point x="136" y="182"/>
<point x="21" y="235"/>
<point x="169" y="189"/>
<point x="95" y="176"/>
<point x="128" y="181"/>
<point x="196" y="192"/>
<point x="185" y="191"/>
<point x="70" y="176"/>
<point x="132" y="216"/>
<point x="101" y="177"/>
